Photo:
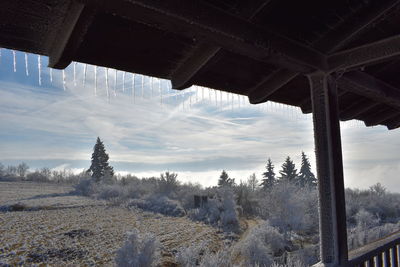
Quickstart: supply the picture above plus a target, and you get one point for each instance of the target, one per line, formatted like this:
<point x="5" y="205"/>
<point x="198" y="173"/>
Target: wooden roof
<point x="263" y="49"/>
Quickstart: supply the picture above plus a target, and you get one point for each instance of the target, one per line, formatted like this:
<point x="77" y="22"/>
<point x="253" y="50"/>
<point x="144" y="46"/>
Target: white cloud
<point x="48" y="123"/>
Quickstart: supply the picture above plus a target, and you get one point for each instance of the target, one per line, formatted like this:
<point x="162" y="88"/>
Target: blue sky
<point x="197" y="132"/>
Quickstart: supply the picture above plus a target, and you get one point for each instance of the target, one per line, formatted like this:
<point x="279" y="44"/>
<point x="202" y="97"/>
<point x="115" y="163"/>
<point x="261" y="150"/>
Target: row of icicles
<point x="191" y="96"/>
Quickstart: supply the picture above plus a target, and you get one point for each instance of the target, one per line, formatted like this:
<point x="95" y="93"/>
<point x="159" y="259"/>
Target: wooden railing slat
<point x="395" y="256"/>
<point x="383" y="252"/>
<point x="379" y="260"/>
<point x="387" y="258"/>
<point x="371" y="262"/>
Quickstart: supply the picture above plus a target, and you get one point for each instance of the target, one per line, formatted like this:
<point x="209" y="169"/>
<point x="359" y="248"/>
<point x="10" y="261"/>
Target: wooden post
<point x="328" y="149"/>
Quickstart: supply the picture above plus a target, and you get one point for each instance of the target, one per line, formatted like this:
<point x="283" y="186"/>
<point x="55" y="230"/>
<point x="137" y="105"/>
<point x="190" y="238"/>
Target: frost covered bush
<point x="139" y="250"/>
<point x="375" y="200"/>
<point x="359" y="236"/>
<point x="86" y="187"/>
<point x="199" y="255"/>
<point x="159" y="204"/>
<point x="261" y="244"/>
<point x="190" y="256"/>
<point x="290" y="263"/>
<point x="220" y="210"/>
<point x="221" y="258"/>
<point x="185" y="193"/>
<point x="168" y="183"/>
<point x="229" y="215"/>
<point x="111" y="191"/>
<point x="291" y="208"/>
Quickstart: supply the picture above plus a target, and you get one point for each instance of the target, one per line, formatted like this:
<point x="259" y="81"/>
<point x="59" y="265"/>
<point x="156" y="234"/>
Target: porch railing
<point x="383" y="252"/>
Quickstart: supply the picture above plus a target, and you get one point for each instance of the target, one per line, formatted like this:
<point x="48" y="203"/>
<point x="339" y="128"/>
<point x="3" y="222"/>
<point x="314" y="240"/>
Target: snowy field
<point x="43" y="224"/>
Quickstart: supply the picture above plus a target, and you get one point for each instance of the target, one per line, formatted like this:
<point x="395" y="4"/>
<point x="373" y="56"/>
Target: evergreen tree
<point x="288" y="172"/>
<point x="306" y="177"/>
<point x="269" y="176"/>
<point x="224" y="179"/>
<point x="100" y="167"/>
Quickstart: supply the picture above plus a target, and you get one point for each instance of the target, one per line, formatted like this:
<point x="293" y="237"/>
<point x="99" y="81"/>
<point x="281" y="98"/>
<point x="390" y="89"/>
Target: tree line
<point x="288" y="173"/>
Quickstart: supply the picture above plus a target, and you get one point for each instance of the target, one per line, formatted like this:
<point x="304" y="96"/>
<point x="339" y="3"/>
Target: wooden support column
<point x="332" y="213"/>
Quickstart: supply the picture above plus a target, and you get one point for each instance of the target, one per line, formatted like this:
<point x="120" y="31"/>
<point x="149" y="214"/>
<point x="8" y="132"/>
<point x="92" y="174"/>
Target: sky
<point x="52" y="119"/>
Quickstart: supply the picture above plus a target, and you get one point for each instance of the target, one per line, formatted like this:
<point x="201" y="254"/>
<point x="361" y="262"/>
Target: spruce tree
<point x="288" y="172"/>
<point x="224" y="179"/>
<point x="100" y="167"/>
<point x="306" y="177"/>
<point x="269" y="176"/>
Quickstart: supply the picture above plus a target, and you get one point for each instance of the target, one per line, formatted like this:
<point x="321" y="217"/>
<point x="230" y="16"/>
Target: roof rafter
<point x="353" y="26"/>
<point x="267" y="87"/>
<point x="356" y="109"/>
<point x="375" y="52"/>
<point x="392" y="123"/>
<point x="202" y="21"/>
<point x="66" y="42"/>
<point x="368" y="86"/>
<point x="334" y="40"/>
<point x="380" y="117"/>
<point x="203" y="53"/>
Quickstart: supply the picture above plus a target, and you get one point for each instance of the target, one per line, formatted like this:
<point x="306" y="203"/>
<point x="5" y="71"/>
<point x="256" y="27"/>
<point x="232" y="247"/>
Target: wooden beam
<point x="372" y="53"/>
<point x="380" y="117"/>
<point x="353" y="26"/>
<point x="356" y="109"/>
<point x="393" y="123"/>
<point x="362" y="84"/>
<point x="262" y="91"/>
<point x="328" y="149"/>
<point x="200" y="56"/>
<point x="201" y="21"/>
<point x="67" y="40"/>
<point x="203" y="53"/>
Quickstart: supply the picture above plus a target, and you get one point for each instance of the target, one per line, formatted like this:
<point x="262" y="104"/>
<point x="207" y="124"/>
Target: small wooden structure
<point x="200" y="201"/>
<point x="338" y="59"/>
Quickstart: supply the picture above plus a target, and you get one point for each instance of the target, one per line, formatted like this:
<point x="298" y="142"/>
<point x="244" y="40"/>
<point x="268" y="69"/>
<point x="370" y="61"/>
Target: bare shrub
<point x="260" y="245"/>
<point x="139" y="250"/>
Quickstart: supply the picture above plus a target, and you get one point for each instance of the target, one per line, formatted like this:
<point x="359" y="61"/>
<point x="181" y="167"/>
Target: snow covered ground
<point x="43" y="223"/>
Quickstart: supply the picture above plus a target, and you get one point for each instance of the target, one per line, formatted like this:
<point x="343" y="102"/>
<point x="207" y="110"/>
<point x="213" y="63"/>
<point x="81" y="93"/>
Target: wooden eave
<point x="263" y="49"/>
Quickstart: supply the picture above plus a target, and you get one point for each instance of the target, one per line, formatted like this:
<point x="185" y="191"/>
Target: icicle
<point x="190" y="97"/>
<point x="232" y="101"/>
<point x="26" y="65"/>
<point x="64" y="80"/>
<point x="238" y="100"/>
<point x="108" y="93"/>
<point x="84" y="75"/>
<point x="75" y="74"/>
<point x="209" y="95"/>
<point x="183" y="100"/>
<point x="14" y="61"/>
<point x="115" y="82"/>
<point x="40" y="69"/>
<point x="220" y="98"/>
<point x="202" y="94"/>
<point x="133" y="87"/>
<point x="123" y="81"/>
<point x="142" y="86"/>
<point x="151" y="85"/>
<point x="51" y="75"/>
<point x="0" y="55"/>
<point x="216" y="97"/>
<point x="95" y="80"/>
<point x="160" y="89"/>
